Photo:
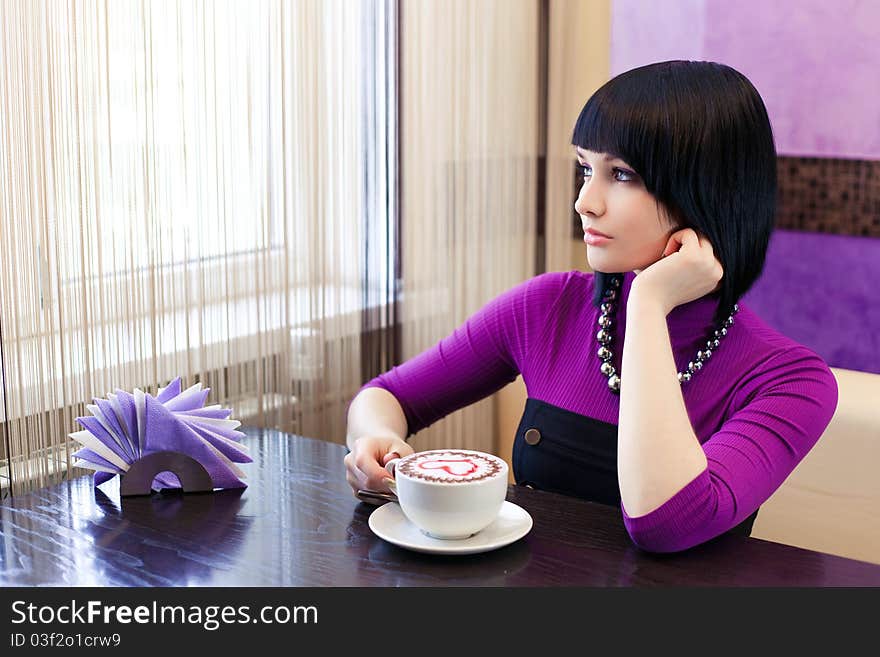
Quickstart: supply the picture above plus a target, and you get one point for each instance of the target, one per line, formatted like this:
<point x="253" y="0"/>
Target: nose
<point x="591" y="199"/>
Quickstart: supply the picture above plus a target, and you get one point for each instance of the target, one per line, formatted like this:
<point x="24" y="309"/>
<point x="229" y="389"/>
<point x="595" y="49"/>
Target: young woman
<point x="649" y="387"/>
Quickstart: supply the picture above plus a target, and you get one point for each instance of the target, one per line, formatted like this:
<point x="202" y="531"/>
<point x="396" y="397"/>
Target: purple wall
<point x="821" y="291"/>
<point x="814" y="62"/>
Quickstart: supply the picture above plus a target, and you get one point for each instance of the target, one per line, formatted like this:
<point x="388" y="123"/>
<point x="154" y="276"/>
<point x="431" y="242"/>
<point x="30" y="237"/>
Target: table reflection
<point x="297" y="524"/>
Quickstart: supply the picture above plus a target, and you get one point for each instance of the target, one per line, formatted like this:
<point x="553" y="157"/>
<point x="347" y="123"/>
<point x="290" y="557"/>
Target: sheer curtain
<point x="471" y="134"/>
<point x="186" y="191"/>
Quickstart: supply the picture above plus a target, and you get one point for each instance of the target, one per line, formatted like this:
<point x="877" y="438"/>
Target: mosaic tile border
<point x="817" y="195"/>
<point x="826" y="195"/>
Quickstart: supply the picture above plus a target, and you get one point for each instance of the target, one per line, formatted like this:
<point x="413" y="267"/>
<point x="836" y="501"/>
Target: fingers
<point x="364" y="465"/>
<point x="675" y="243"/>
<point x="672" y="246"/>
<point x="688" y="238"/>
<point x="678" y="240"/>
<point x="703" y="254"/>
<point x="389" y="456"/>
<point x="373" y="474"/>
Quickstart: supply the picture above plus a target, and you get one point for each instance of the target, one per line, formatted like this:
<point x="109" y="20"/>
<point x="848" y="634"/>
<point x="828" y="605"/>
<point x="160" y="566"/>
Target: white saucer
<point x="389" y="523"/>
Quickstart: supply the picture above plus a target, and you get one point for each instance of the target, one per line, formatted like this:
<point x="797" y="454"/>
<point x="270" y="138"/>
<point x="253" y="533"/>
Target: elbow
<point x="657" y="543"/>
<point x="685" y="520"/>
<point x="655" y="537"/>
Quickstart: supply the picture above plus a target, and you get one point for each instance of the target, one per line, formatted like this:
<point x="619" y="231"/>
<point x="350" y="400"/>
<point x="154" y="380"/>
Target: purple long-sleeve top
<point x="758" y="405"/>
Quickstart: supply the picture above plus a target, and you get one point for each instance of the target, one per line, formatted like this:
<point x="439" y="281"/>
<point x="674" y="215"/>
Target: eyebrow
<point x="607" y="157"/>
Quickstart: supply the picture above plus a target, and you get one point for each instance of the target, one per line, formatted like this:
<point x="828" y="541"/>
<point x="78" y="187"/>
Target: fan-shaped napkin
<point x="126" y="427"/>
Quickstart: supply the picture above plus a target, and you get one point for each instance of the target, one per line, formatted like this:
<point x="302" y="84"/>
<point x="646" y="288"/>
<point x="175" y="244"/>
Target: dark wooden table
<point x="297" y="524"/>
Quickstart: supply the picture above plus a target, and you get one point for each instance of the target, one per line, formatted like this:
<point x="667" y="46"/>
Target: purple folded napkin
<point x="127" y="427"/>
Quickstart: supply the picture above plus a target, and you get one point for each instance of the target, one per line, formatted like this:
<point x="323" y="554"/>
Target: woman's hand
<point x="365" y="464"/>
<point x="688" y="270"/>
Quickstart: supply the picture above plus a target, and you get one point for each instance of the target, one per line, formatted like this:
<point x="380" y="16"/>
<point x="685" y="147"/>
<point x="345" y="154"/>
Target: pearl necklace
<point x="606" y="339"/>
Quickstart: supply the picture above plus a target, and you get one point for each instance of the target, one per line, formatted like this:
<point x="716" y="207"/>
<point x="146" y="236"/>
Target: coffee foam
<point x="451" y="466"/>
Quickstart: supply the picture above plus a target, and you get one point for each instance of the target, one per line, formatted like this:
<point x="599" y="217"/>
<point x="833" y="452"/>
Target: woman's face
<point x="613" y="201"/>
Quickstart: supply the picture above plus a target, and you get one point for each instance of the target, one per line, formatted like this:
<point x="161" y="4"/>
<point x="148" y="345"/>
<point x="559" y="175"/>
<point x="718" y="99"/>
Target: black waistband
<point x="564" y="452"/>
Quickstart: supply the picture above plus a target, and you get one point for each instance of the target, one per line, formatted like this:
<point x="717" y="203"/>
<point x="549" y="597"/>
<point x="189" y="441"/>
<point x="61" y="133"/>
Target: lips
<point x="593" y="237"/>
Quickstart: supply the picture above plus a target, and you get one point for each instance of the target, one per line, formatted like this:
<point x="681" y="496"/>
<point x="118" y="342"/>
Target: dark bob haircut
<point x="698" y="135"/>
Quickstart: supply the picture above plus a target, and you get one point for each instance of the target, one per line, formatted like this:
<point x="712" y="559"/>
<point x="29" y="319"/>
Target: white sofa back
<point x="831" y="502"/>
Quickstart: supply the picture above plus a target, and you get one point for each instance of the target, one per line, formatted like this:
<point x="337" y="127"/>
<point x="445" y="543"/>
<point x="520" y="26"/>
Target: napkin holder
<point x="194" y="478"/>
<point x="168" y="441"/>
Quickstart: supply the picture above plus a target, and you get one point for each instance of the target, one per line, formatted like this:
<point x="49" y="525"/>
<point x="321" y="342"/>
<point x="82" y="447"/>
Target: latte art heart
<point x="457" y="468"/>
<point x="451" y="466"/>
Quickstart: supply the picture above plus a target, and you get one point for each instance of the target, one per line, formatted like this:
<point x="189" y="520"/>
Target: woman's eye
<point x="620" y="175"/>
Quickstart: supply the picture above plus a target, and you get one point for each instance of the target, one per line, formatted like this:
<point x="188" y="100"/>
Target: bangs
<point x="626" y="121"/>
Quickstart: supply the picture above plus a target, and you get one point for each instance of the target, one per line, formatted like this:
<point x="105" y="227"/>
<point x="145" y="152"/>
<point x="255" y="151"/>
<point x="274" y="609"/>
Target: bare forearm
<point x="658" y="452"/>
<point x="375" y="412"/>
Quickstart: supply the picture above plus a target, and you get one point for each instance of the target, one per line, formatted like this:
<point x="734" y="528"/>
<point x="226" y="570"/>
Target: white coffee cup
<point x="450" y="493"/>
